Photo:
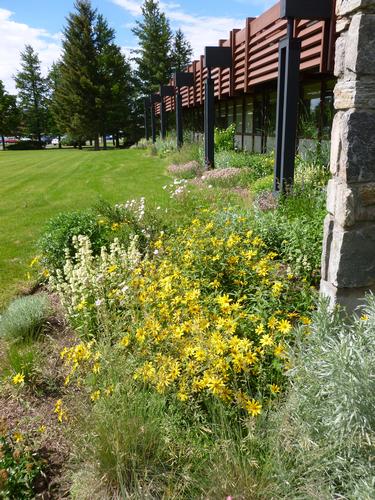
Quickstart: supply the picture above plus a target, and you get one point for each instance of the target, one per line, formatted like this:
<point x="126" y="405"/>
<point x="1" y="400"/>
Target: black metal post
<point x="146" y="111"/>
<point x="209" y="122"/>
<point x="179" y="129"/>
<point x="163" y="119"/>
<point x="287" y="109"/>
<point x="153" y="124"/>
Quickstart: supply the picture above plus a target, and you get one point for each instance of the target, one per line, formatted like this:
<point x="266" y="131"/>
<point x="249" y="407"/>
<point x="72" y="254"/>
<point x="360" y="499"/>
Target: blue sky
<point x="40" y="23"/>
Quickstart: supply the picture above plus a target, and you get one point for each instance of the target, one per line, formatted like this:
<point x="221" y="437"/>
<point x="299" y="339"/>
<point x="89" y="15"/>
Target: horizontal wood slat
<point x="255" y="50"/>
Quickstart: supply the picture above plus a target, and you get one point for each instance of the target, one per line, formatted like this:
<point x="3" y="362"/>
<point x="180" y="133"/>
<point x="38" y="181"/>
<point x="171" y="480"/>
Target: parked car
<point x="55" y="142"/>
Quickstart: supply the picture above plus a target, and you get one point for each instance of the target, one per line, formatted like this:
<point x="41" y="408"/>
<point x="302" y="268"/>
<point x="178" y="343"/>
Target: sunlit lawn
<point x="36" y="185"/>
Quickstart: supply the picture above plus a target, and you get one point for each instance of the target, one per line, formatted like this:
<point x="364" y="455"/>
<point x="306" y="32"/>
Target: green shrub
<point x="263" y="184"/>
<point x="189" y="152"/>
<point x="295" y="230"/>
<point x="326" y="432"/>
<point x="59" y="232"/>
<point x="25" y="146"/>
<point x="19" y="467"/>
<point x="26" y="318"/>
<point x="260" y="165"/>
<point x="224" y="139"/>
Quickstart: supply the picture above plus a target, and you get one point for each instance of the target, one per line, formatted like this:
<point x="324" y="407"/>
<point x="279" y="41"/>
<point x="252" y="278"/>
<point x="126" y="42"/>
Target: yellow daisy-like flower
<point x="284" y="326"/>
<point x="111" y="269"/>
<point x="364" y="317"/>
<point x="18" y="379"/>
<point x="18" y="437"/>
<point x="275" y="389"/>
<point x="305" y="320"/>
<point x="95" y="395"/>
<point x="253" y="407"/>
<point x="266" y="340"/>
<point x="125" y="341"/>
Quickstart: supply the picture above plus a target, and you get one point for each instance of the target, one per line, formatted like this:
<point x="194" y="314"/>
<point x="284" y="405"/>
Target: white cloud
<point x="14" y="37"/>
<point x="199" y="30"/>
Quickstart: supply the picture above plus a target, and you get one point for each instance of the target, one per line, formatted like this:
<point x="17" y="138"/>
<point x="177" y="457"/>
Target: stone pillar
<point x="348" y="261"/>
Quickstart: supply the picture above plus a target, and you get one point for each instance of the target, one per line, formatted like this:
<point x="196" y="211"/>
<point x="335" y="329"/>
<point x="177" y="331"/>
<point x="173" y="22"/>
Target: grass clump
<point x="26" y="318"/>
<point x="323" y="438"/>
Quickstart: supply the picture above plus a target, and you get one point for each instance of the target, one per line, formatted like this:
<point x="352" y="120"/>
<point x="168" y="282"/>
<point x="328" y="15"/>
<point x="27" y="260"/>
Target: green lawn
<point x="36" y="185"/>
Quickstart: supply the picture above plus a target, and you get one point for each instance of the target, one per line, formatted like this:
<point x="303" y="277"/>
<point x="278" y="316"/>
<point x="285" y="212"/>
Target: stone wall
<point x="348" y="261"/>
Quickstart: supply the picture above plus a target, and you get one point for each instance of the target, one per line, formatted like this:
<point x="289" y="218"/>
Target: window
<point x="249" y="115"/>
<point x="230" y="113"/>
<point x="239" y="118"/>
<point x="309" y="119"/>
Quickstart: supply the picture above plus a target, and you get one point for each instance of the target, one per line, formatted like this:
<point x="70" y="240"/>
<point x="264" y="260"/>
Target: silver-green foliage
<point x="25" y="318"/>
<point x="329" y="419"/>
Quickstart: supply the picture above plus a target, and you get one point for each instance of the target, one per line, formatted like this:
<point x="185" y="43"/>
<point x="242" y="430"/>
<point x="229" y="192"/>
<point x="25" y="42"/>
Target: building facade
<point x="246" y="94"/>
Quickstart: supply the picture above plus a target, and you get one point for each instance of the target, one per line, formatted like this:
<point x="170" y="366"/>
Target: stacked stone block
<point x="348" y="262"/>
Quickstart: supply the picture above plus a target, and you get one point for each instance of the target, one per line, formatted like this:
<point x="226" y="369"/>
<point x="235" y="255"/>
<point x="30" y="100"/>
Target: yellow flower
<point x="96" y="368"/>
<point x="81" y="305"/>
<point x="60" y="412"/>
<point x="279" y="351"/>
<point x="95" y="395"/>
<point x="18" y="379"/>
<point x="277" y="288"/>
<point x="305" y="320"/>
<point x="253" y="407"/>
<point x="259" y="329"/>
<point x="18" y="437"/>
<point x="115" y="226"/>
<point x="275" y="389"/>
<point x="109" y="390"/>
<point x="125" y="341"/>
<point x="42" y="429"/>
<point x="266" y="340"/>
<point x="34" y="261"/>
<point x="284" y="326"/>
<point x="364" y="317"/>
<point x="46" y="273"/>
<point x="111" y="269"/>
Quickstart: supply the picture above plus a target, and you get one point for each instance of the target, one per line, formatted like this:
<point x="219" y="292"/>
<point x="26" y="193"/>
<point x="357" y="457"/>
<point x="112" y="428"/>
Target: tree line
<point x="93" y="90"/>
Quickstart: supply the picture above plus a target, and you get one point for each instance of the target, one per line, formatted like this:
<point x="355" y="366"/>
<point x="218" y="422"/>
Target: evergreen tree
<point x="54" y="79"/>
<point x="9" y="114"/>
<point x="77" y="97"/>
<point x="116" y="82"/>
<point x="32" y="93"/>
<point x="181" y="52"/>
<point x="154" y="53"/>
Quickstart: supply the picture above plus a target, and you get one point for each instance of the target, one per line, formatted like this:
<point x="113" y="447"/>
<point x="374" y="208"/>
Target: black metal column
<point x="179" y="129"/>
<point x="146" y="102"/>
<point x="209" y="121"/>
<point x="153" y="123"/>
<point x="287" y="110"/>
<point x="163" y="120"/>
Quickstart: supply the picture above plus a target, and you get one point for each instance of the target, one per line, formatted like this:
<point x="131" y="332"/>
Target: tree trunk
<point x="40" y="140"/>
<point x="59" y="138"/>
<point x="90" y="142"/>
<point x="117" y="140"/>
<point x="96" y="143"/>
<point x="104" y="141"/>
<point x="3" y="142"/>
<point x="80" y="145"/>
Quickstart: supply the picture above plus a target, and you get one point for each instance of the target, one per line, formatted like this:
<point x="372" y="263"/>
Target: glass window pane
<point x="239" y="119"/>
<point x="249" y="115"/>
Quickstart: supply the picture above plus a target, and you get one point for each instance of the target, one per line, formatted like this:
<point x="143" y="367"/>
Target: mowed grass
<point x="37" y="185"/>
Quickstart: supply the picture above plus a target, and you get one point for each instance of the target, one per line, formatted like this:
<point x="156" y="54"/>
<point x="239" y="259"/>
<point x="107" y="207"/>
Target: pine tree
<point x="116" y="81"/>
<point x="9" y="114"/>
<point x="154" y="53"/>
<point x="181" y="52"/>
<point x="54" y="79"/>
<point x="77" y="97"/>
<point x="32" y="93"/>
